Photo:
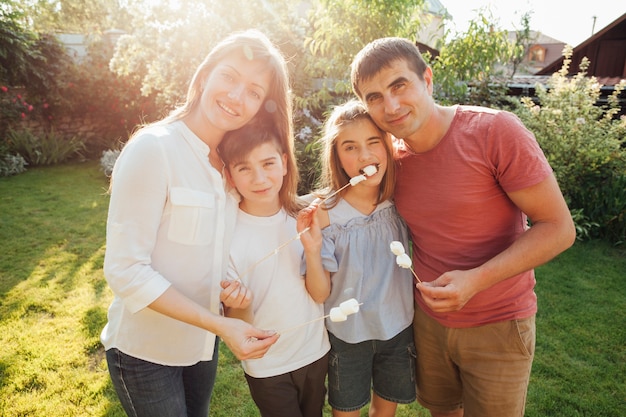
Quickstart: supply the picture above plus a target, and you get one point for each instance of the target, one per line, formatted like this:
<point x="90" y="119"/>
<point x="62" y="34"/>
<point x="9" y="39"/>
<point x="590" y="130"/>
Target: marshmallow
<point x="350" y="306"/>
<point x="336" y="314"/>
<point x="370" y="170"/>
<point x="357" y="179"/>
<point x="404" y="260"/>
<point x="397" y="248"/>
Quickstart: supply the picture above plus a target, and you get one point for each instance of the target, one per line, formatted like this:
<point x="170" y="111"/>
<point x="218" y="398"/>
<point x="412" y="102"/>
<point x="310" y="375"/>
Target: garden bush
<point x="585" y="144"/>
<point x="46" y="149"/>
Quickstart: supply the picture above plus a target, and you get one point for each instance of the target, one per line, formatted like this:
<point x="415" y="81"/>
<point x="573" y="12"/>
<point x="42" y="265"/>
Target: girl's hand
<point x="235" y="295"/>
<point x="311" y="239"/>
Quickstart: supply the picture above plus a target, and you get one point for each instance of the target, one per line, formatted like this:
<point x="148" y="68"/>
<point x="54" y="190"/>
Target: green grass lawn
<point x="53" y="301"/>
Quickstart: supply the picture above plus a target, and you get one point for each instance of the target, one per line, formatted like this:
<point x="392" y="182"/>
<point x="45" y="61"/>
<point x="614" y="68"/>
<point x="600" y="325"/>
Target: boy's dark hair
<point x="237" y="145"/>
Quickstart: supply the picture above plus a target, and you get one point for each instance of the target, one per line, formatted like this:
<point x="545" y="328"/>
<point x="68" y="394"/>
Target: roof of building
<point x="435" y="7"/>
<point x="606" y="51"/>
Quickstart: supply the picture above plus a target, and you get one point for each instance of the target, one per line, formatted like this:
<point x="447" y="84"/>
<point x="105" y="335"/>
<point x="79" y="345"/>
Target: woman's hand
<point x="246" y="341"/>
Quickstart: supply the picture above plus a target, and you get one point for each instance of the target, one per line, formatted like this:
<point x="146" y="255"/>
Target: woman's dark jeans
<point x="147" y="389"/>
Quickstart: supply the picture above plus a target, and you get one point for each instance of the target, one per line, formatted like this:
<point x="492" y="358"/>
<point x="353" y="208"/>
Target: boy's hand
<point x="235" y="295"/>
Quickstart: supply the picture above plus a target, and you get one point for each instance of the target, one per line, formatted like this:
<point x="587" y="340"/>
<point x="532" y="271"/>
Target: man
<point x="467" y="179"/>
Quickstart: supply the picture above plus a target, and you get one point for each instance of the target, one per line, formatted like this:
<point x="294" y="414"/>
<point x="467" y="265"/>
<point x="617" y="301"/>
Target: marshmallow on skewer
<point x="397" y="248"/>
<point x="402" y="258"/>
<point x="355" y="180"/>
<point x="337" y="314"/>
<point x="404" y="261"/>
<point x="370" y="170"/>
<point x="346" y="308"/>
<point x="350" y="306"/>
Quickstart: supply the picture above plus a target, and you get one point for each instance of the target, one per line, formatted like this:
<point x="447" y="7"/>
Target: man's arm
<point x="551" y="233"/>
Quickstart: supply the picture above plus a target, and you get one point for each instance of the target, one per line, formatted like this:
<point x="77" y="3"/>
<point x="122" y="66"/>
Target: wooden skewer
<point x="303" y="324"/>
<point x="275" y="251"/>
<point x="308" y="322"/>
<point x="415" y="275"/>
<point x="334" y="193"/>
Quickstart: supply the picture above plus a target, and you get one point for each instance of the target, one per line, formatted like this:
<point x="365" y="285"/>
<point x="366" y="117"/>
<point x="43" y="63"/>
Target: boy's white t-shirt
<point x="280" y="298"/>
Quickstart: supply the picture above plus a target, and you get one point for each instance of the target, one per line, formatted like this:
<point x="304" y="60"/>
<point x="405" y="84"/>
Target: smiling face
<point x="398" y="100"/>
<point x="259" y="177"/>
<point x="233" y="92"/>
<point x="359" y="144"/>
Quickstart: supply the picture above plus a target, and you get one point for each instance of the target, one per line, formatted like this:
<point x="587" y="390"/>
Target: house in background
<point x="541" y="52"/>
<point x="432" y="29"/>
<point x="606" y="51"/>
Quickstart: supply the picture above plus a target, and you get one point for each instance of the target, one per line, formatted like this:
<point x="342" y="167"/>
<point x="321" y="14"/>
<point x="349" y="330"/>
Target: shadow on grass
<point x="52" y="227"/>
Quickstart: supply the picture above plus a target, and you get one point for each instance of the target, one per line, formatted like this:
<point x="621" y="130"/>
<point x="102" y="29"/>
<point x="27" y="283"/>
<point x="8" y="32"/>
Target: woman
<point x="170" y="223"/>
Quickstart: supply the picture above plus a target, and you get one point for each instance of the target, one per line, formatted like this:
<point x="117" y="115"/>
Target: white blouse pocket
<point x="193" y="216"/>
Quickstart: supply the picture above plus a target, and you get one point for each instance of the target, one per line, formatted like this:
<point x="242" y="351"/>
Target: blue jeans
<point x="147" y="389"/>
<point x="385" y="366"/>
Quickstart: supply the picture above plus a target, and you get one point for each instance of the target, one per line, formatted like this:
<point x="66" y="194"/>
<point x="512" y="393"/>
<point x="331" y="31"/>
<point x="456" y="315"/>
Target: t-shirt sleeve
<point x="517" y="159"/>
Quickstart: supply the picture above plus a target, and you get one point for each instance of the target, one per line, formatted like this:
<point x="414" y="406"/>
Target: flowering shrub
<point x="107" y="161"/>
<point x="11" y="165"/>
<point x="585" y="144"/>
<point x="65" y="93"/>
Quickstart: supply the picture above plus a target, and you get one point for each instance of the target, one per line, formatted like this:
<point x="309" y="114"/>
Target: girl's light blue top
<point x="356" y="252"/>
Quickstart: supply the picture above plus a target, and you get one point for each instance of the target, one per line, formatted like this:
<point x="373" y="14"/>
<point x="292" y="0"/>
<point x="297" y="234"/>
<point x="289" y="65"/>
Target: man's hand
<point x="450" y="292"/>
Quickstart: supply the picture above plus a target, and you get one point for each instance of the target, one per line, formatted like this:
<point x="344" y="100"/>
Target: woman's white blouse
<point x="170" y="222"/>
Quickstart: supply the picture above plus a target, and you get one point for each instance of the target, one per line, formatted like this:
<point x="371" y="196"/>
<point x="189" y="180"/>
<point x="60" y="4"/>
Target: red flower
<point x="4" y="88"/>
<point x="30" y="107"/>
<point x="23" y="116"/>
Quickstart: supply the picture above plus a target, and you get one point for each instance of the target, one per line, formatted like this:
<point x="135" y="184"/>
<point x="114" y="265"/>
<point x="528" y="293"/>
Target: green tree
<point x="75" y="16"/>
<point x="167" y="41"/>
<point x="33" y="62"/>
<point x="338" y="30"/>
<point x="470" y="68"/>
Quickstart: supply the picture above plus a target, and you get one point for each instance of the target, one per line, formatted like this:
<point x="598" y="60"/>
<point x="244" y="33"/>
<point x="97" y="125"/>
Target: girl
<point x="374" y="349"/>
<point x="169" y="228"/>
<point x="289" y="380"/>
